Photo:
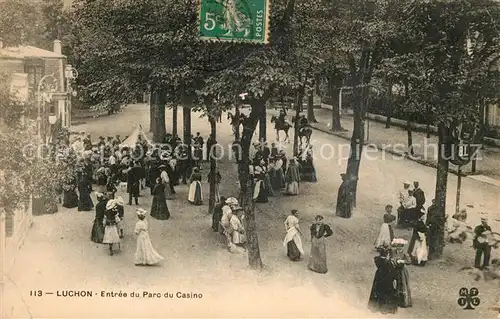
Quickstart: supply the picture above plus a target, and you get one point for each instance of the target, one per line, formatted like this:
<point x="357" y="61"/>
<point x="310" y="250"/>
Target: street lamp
<point x="39" y="105"/>
<point x="70" y="74"/>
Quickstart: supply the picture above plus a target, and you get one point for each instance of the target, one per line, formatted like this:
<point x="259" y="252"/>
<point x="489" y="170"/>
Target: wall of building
<point x="494" y="116"/>
<point x="11" y="66"/>
<point x="13" y="231"/>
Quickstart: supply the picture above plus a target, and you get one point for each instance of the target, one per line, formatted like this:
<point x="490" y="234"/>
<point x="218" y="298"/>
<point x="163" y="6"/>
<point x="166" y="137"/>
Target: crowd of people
<point x="391" y="285"/>
<point x="131" y="166"/>
<point x="113" y="165"/>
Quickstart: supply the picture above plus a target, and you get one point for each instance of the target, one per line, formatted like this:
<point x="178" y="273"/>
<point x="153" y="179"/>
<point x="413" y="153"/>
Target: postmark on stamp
<point x="234" y="20"/>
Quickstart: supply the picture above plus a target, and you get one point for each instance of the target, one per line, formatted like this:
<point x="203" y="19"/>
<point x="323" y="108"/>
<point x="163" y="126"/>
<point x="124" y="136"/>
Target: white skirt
<point x="420" y="249"/>
<point x="145" y="254"/>
<point x="192" y="192"/>
<point x="292" y="188"/>
<point x="111" y="235"/>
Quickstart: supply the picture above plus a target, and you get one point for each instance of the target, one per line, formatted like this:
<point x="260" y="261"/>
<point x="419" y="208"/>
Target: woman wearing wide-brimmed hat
<point x="145" y="254"/>
<point x="384" y="296"/>
<point x="111" y="219"/>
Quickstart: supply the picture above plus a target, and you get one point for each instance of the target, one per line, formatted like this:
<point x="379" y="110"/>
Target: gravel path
<point x="58" y="254"/>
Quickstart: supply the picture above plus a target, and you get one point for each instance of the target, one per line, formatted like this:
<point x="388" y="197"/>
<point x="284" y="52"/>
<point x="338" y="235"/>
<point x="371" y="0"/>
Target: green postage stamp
<point x="234" y="20"/>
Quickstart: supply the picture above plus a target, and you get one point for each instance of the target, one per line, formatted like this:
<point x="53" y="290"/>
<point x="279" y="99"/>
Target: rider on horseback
<point x="282" y="116"/>
<point x="303" y="123"/>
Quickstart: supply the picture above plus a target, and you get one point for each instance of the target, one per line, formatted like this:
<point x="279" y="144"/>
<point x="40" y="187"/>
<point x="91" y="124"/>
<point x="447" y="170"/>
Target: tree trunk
<point x="334" y="85"/>
<point x="213" y="168"/>
<point x="300" y="98"/>
<point x="360" y="78"/>
<point x="263" y="125"/>
<point x="246" y="183"/>
<point x="174" y="120"/>
<point x="411" y="152"/>
<point x="437" y="245"/>
<point x="151" y="115"/>
<point x="158" y="100"/>
<point x="357" y="138"/>
<point x="186" y="119"/>
<point x="485" y="115"/>
<point x="336" y="125"/>
<point x="237" y="119"/>
<point x="388" y="105"/>
<point x="429" y="120"/>
<point x="310" y="107"/>
<point x="408" y="123"/>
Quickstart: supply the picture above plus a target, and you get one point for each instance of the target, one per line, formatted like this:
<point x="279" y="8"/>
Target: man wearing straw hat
<point x="403" y="198"/>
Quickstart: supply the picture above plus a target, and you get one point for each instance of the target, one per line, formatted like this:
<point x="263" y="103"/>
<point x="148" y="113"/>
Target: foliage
<point x="11" y="108"/>
<point x="21" y="175"/>
<point x="430" y="52"/>
<point x="36" y="23"/>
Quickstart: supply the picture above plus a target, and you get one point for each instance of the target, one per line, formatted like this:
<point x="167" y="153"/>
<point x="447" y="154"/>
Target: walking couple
<point x="293" y="241"/>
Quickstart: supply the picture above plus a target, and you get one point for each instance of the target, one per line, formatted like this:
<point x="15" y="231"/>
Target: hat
<point x="232" y="201"/>
<point x="111" y="204"/>
<point x="141" y="212"/>
<point x="99" y="195"/>
<point x="406" y="183"/>
<point x="119" y="201"/>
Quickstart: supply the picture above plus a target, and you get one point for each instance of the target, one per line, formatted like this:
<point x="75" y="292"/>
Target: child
<point x="144" y="253"/>
<point x="110" y="221"/>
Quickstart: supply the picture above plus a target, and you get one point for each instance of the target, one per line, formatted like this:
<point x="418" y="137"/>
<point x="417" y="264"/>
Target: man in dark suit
<point x="266" y="152"/>
<point x="419" y="195"/>
<point x="133" y="178"/>
<point x="481" y="244"/>
<point x="210" y="143"/>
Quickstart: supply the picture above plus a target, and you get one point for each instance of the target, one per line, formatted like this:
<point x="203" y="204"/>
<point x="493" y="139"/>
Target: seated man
<point x="457" y="231"/>
<point x="410" y="211"/>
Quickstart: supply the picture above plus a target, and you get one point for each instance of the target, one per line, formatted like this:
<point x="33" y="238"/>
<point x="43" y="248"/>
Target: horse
<point x="243" y="118"/>
<point x="304" y="131"/>
<point x="281" y="126"/>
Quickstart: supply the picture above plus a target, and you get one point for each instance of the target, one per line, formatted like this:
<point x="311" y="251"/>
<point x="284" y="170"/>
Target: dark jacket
<point x="324" y="231"/>
<point x="478" y="231"/>
<point x="419" y="197"/>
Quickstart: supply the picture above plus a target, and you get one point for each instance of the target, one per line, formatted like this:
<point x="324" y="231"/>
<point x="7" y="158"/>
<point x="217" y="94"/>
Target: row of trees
<point x="442" y="53"/>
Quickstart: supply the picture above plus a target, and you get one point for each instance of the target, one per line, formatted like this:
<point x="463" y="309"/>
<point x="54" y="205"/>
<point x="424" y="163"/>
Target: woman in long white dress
<point x="293" y="242"/>
<point x="145" y="254"/>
